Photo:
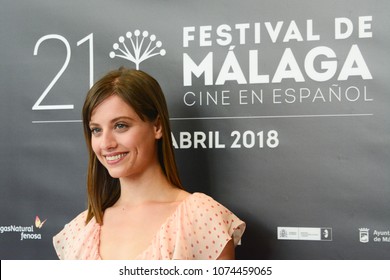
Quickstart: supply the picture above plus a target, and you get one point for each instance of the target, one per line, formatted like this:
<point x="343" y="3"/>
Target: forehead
<point x="112" y="107"/>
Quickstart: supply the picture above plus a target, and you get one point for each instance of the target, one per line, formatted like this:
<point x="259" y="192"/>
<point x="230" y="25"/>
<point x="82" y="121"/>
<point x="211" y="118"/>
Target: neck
<point x="150" y="186"/>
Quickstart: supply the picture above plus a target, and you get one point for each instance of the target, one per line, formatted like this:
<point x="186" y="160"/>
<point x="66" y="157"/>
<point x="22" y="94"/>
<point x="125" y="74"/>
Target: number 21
<point x="37" y="105"/>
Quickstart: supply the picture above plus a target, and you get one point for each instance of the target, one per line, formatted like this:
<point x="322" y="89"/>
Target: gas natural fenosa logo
<point x="142" y="47"/>
<point x="38" y="223"/>
<point x="26" y="232"/>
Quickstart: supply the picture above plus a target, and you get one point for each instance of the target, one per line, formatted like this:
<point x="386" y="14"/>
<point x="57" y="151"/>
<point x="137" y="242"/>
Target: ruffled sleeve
<point x="211" y="227"/>
<point x="199" y="229"/>
<point x="77" y="240"/>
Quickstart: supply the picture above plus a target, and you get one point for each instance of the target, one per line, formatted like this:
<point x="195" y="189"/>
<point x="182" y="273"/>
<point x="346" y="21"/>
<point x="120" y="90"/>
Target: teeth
<point x="116" y="157"/>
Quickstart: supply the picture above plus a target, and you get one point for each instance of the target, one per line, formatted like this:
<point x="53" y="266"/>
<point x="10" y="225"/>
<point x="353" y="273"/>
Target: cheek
<point x="95" y="146"/>
<point x="136" y="139"/>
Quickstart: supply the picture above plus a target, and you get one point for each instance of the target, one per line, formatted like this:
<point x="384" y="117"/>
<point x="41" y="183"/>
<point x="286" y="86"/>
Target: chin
<point x="115" y="175"/>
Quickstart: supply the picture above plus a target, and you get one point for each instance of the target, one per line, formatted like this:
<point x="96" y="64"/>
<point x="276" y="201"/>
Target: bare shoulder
<point x="181" y="194"/>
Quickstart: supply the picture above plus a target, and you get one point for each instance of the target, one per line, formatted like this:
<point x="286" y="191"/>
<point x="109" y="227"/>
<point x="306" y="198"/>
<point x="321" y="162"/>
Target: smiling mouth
<point x="115" y="157"/>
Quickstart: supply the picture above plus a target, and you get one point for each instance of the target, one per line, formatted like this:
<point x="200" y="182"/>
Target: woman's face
<point x="122" y="142"/>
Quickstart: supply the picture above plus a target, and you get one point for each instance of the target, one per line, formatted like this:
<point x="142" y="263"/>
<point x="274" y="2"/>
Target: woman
<point x="137" y="208"/>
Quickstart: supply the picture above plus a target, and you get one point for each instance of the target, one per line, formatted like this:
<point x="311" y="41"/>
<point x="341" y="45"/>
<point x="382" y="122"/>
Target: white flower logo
<point x="139" y="51"/>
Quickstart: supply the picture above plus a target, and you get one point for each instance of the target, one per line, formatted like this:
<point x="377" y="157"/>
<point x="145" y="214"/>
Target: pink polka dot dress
<point x="199" y="229"/>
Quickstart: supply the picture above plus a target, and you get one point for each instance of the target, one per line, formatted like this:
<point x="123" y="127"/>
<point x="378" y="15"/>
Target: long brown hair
<point x="143" y="93"/>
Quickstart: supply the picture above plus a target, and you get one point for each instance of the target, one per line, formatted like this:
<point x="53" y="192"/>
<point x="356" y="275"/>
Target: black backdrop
<point x="279" y="110"/>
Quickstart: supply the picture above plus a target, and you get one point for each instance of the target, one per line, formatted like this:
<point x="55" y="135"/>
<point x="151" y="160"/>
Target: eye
<point x="121" y="126"/>
<point x="95" y="130"/>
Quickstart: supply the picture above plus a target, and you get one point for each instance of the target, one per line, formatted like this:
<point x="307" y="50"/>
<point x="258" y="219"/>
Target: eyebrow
<point x="113" y="120"/>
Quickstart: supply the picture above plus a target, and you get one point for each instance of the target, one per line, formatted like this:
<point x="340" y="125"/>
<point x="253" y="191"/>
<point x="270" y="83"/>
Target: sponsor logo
<point x="364" y="236"/>
<point x="26" y="232"/>
<point x="38" y="223"/>
<point x="304" y="233"/>
<point x="377" y="236"/>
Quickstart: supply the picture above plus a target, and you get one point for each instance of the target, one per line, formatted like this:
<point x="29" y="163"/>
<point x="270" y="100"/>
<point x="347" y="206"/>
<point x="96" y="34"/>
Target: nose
<point x="108" y="141"/>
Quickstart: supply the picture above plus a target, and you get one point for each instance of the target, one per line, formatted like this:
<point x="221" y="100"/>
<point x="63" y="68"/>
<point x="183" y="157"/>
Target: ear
<point x="158" y="129"/>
